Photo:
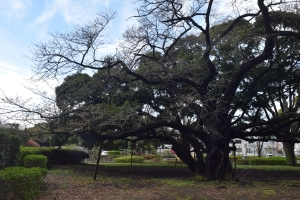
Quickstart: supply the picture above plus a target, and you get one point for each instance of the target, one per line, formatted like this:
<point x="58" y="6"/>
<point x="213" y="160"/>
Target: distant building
<point x="245" y="148"/>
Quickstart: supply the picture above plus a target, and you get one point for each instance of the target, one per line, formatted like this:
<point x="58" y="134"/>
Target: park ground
<point x="148" y="182"/>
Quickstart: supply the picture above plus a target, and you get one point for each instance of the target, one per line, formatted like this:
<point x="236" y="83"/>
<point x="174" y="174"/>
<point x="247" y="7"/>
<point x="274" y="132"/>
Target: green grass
<point x="61" y="171"/>
<point x="269" y="167"/>
<point x="176" y="182"/>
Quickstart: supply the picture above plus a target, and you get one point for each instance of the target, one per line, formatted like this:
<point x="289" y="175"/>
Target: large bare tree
<point x="162" y="85"/>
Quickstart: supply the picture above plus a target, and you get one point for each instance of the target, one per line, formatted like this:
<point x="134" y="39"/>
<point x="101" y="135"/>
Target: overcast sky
<point x="26" y="22"/>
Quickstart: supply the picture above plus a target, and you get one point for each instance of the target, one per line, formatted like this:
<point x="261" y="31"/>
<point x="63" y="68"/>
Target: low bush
<point x="149" y="156"/>
<point x="4" y="188"/>
<point x="168" y="154"/>
<point x="20" y="182"/>
<point x="57" y="156"/>
<point x="243" y="161"/>
<point x="114" y="153"/>
<point x="31" y="143"/>
<point x="66" y="156"/>
<point x="35" y="161"/>
<point x="155" y="160"/>
<point x="174" y="161"/>
<point x="268" y="161"/>
<point x="127" y="159"/>
<point x="25" y="151"/>
<point x="9" y="149"/>
<point x="231" y="158"/>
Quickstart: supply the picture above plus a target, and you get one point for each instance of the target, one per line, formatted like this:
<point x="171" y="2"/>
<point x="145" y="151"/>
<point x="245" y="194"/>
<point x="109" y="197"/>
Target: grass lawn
<point x="166" y="181"/>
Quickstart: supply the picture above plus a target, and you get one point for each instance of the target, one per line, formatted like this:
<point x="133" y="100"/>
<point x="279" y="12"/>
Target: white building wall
<point x="250" y="149"/>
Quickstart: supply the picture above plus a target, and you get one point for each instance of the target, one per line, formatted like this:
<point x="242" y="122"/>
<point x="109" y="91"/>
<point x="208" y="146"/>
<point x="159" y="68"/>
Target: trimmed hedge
<point x="24" y="151"/>
<point x="243" y="161"/>
<point x="231" y="158"/>
<point x="67" y="156"/>
<point x="268" y="161"/>
<point x="174" y="161"/>
<point x="20" y="182"/>
<point x="9" y="150"/>
<point x="149" y="156"/>
<point x="31" y="143"/>
<point x="127" y="159"/>
<point x="35" y="161"/>
<point x="57" y="156"/>
<point x="155" y="160"/>
<point x="114" y="153"/>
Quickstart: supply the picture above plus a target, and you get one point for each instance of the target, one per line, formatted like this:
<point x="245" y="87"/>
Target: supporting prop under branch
<point x="98" y="159"/>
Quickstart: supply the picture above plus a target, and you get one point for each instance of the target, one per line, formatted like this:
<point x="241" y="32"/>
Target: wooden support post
<point x="234" y="156"/>
<point x="131" y="158"/>
<point x="131" y="147"/>
<point x="98" y="159"/>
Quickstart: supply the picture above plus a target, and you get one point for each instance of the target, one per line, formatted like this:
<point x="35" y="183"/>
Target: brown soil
<point x="164" y="182"/>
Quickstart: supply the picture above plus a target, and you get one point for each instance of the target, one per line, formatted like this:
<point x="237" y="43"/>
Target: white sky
<point x="26" y="22"/>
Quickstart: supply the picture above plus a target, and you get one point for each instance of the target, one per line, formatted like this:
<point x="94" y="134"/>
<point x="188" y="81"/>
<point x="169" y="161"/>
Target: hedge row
<point x="261" y="161"/>
<point x="114" y="152"/>
<point x="20" y="182"/>
<point x="66" y="156"/>
<point x="268" y="161"/>
<point x="57" y="156"/>
<point x="127" y="159"/>
<point x="9" y="150"/>
<point x="35" y="161"/>
<point x="25" y="151"/>
<point x="149" y="156"/>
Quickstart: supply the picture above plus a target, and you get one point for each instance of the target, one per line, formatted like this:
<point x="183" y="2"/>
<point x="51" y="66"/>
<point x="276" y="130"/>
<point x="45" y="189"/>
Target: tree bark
<point x="259" y="148"/>
<point x="200" y="164"/>
<point x="218" y="165"/>
<point x="288" y="148"/>
<point x="183" y="152"/>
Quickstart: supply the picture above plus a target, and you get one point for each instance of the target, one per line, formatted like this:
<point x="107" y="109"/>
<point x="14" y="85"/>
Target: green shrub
<point x="9" y="149"/>
<point x="174" y="161"/>
<point x="4" y="188"/>
<point x="127" y="159"/>
<point x="168" y="154"/>
<point x="20" y="182"/>
<point x="155" y="160"/>
<point x="67" y="156"/>
<point x="149" y="156"/>
<point x="35" y="161"/>
<point x="24" y="151"/>
<point x="231" y="158"/>
<point x="57" y="156"/>
<point x="243" y="161"/>
<point x="268" y="161"/>
<point x="114" y="152"/>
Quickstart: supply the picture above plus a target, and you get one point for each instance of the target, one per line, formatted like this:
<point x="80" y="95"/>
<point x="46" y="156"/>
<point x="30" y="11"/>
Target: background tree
<point x="277" y="93"/>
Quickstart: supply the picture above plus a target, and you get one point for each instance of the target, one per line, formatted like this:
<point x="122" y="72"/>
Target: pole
<point x="98" y="159"/>
<point x="131" y="147"/>
<point x="234" y="156"/>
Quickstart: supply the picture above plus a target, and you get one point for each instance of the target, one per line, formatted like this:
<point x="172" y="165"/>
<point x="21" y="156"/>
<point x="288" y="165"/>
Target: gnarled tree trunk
<point x="288" y="148"/>
<point x="183" y="152"/>
<point x="218" y="165"/>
